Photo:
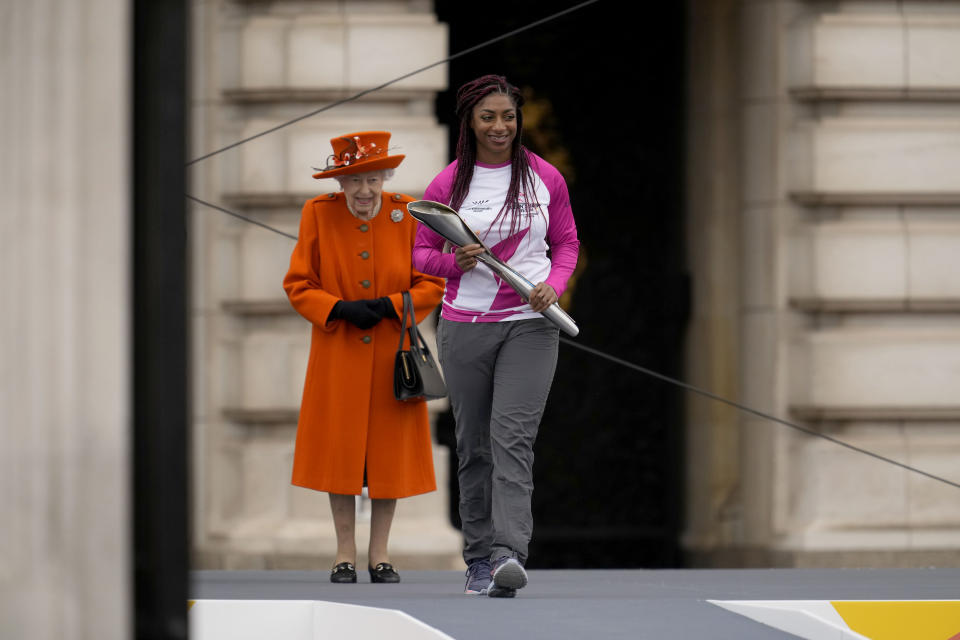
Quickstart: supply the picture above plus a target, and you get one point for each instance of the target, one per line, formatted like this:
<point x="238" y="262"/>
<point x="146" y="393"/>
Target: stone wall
<point x="257" y="66"/>
<point x="845" y="256"/>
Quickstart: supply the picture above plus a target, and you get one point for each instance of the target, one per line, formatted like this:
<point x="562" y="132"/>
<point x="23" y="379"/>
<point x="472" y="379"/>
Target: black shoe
<point x="384" y="572"/>
<point x="344" y="573"/>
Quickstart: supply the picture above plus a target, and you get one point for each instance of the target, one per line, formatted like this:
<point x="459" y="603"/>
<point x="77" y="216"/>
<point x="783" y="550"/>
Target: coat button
<point x="366" y="339"/>
<point x="365" y="284"/>
<point x="364" y="227"/>
<point x="365" y="254"/>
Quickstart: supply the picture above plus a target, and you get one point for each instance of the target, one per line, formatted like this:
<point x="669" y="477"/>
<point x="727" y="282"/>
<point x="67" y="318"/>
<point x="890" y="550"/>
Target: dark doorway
<point x="606" y="105"/>
<point x="160" y="478"/>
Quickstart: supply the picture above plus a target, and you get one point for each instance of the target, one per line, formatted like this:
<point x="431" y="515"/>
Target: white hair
<point x="385" y="174"/>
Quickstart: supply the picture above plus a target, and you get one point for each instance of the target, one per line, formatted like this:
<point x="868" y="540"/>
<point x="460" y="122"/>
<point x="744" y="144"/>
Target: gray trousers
<point x="498" y="376"/>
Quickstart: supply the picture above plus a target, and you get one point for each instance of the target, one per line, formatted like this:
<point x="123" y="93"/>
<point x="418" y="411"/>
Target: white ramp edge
<point x="808" y="619"/>
<point x="302" y="620"/>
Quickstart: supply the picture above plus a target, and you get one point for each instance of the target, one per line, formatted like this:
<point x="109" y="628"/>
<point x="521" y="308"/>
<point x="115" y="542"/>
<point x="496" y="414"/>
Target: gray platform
<point x="594" y="604"/>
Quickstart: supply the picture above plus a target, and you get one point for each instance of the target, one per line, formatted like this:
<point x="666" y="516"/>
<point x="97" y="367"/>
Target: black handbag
<point x="415" y="374"/>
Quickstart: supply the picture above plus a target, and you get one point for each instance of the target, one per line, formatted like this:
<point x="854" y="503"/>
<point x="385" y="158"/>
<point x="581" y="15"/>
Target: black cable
<point x="237" y="215"/>
<point x="395" y="80"/>
<point x="595" y="352"/>
<point x="674" y="381"/>
<point x="760" y="414"/>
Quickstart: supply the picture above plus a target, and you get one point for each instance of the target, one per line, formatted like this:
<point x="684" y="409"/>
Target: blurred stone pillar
<point x="64" y="326"/>
<point x="713" y="240"/>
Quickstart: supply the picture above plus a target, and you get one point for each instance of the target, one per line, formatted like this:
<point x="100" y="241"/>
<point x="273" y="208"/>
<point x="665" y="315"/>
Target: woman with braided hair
<point x="498" y="352"/>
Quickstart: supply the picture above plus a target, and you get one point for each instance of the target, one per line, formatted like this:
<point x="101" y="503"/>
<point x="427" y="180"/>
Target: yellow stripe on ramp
<point x="899" y="620"/>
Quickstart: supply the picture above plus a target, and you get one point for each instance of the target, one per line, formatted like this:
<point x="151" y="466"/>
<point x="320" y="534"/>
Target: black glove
<point x="356" y="312"/>
<point x="383" y="307"/>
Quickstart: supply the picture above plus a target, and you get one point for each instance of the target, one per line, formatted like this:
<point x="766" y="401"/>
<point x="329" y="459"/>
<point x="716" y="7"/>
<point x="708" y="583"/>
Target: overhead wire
<point x="685" y="385"/>
<point x="620" y="361"/>
<point x="365" y="92"/>
<point x="241" y="217"/>
<point x="755" y="412"/>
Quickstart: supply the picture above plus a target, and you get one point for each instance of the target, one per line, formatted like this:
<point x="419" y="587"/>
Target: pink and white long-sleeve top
<point x="547" y="222"/>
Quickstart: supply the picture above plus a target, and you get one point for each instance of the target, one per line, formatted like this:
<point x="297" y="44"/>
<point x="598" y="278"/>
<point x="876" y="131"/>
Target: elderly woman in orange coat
<point x="347" y="275"/>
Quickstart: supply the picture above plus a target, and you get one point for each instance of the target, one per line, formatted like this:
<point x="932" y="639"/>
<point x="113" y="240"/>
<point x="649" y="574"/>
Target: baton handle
<point x="554" y="313"/>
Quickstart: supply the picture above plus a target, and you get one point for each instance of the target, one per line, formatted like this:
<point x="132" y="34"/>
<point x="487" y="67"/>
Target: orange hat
<point x="358" y="153"/>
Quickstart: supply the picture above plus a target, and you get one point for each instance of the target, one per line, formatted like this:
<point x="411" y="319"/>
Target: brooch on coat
<point x="396" y="215"/>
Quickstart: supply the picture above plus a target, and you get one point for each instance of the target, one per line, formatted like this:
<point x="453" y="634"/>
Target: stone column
<point x="64" y="328"/>
<point x="713" y="223"/>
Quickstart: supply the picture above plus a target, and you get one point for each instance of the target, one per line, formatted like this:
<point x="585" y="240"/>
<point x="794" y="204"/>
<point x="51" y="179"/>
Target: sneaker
<point x="478" y="578"/>
<point x="507" y="576"/>
<point x="501" y="592"/>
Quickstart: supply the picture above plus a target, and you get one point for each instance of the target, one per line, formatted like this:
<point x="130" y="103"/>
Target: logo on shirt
<point x="477" y="206"/>
<point x="527" y="209"/>
<point x="524" y="208"/>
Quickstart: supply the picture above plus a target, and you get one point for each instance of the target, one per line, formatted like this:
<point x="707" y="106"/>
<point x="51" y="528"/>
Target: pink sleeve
<point x="428" y="256"/>
<point x="561" y="233"/>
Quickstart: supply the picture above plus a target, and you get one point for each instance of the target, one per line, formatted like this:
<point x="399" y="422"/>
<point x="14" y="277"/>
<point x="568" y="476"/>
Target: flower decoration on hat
<point x="354" y="152"/>
<point x="357" y="153"/>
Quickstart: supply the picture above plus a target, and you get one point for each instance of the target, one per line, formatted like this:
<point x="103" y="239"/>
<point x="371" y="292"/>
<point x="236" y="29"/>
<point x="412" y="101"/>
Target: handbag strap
<point x="403" y="324"/>
<point x="415" y="337"/>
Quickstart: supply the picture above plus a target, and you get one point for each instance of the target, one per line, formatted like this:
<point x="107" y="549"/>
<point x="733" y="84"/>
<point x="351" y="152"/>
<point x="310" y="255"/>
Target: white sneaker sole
<point x="510" y="575"/>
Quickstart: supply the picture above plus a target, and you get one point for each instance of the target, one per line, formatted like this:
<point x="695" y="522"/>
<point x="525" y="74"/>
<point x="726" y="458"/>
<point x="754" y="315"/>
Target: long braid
<point x="521" y="175"/>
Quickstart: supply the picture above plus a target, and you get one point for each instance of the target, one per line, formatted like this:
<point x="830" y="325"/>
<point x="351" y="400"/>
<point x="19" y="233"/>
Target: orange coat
<point x="349" y="416"/>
